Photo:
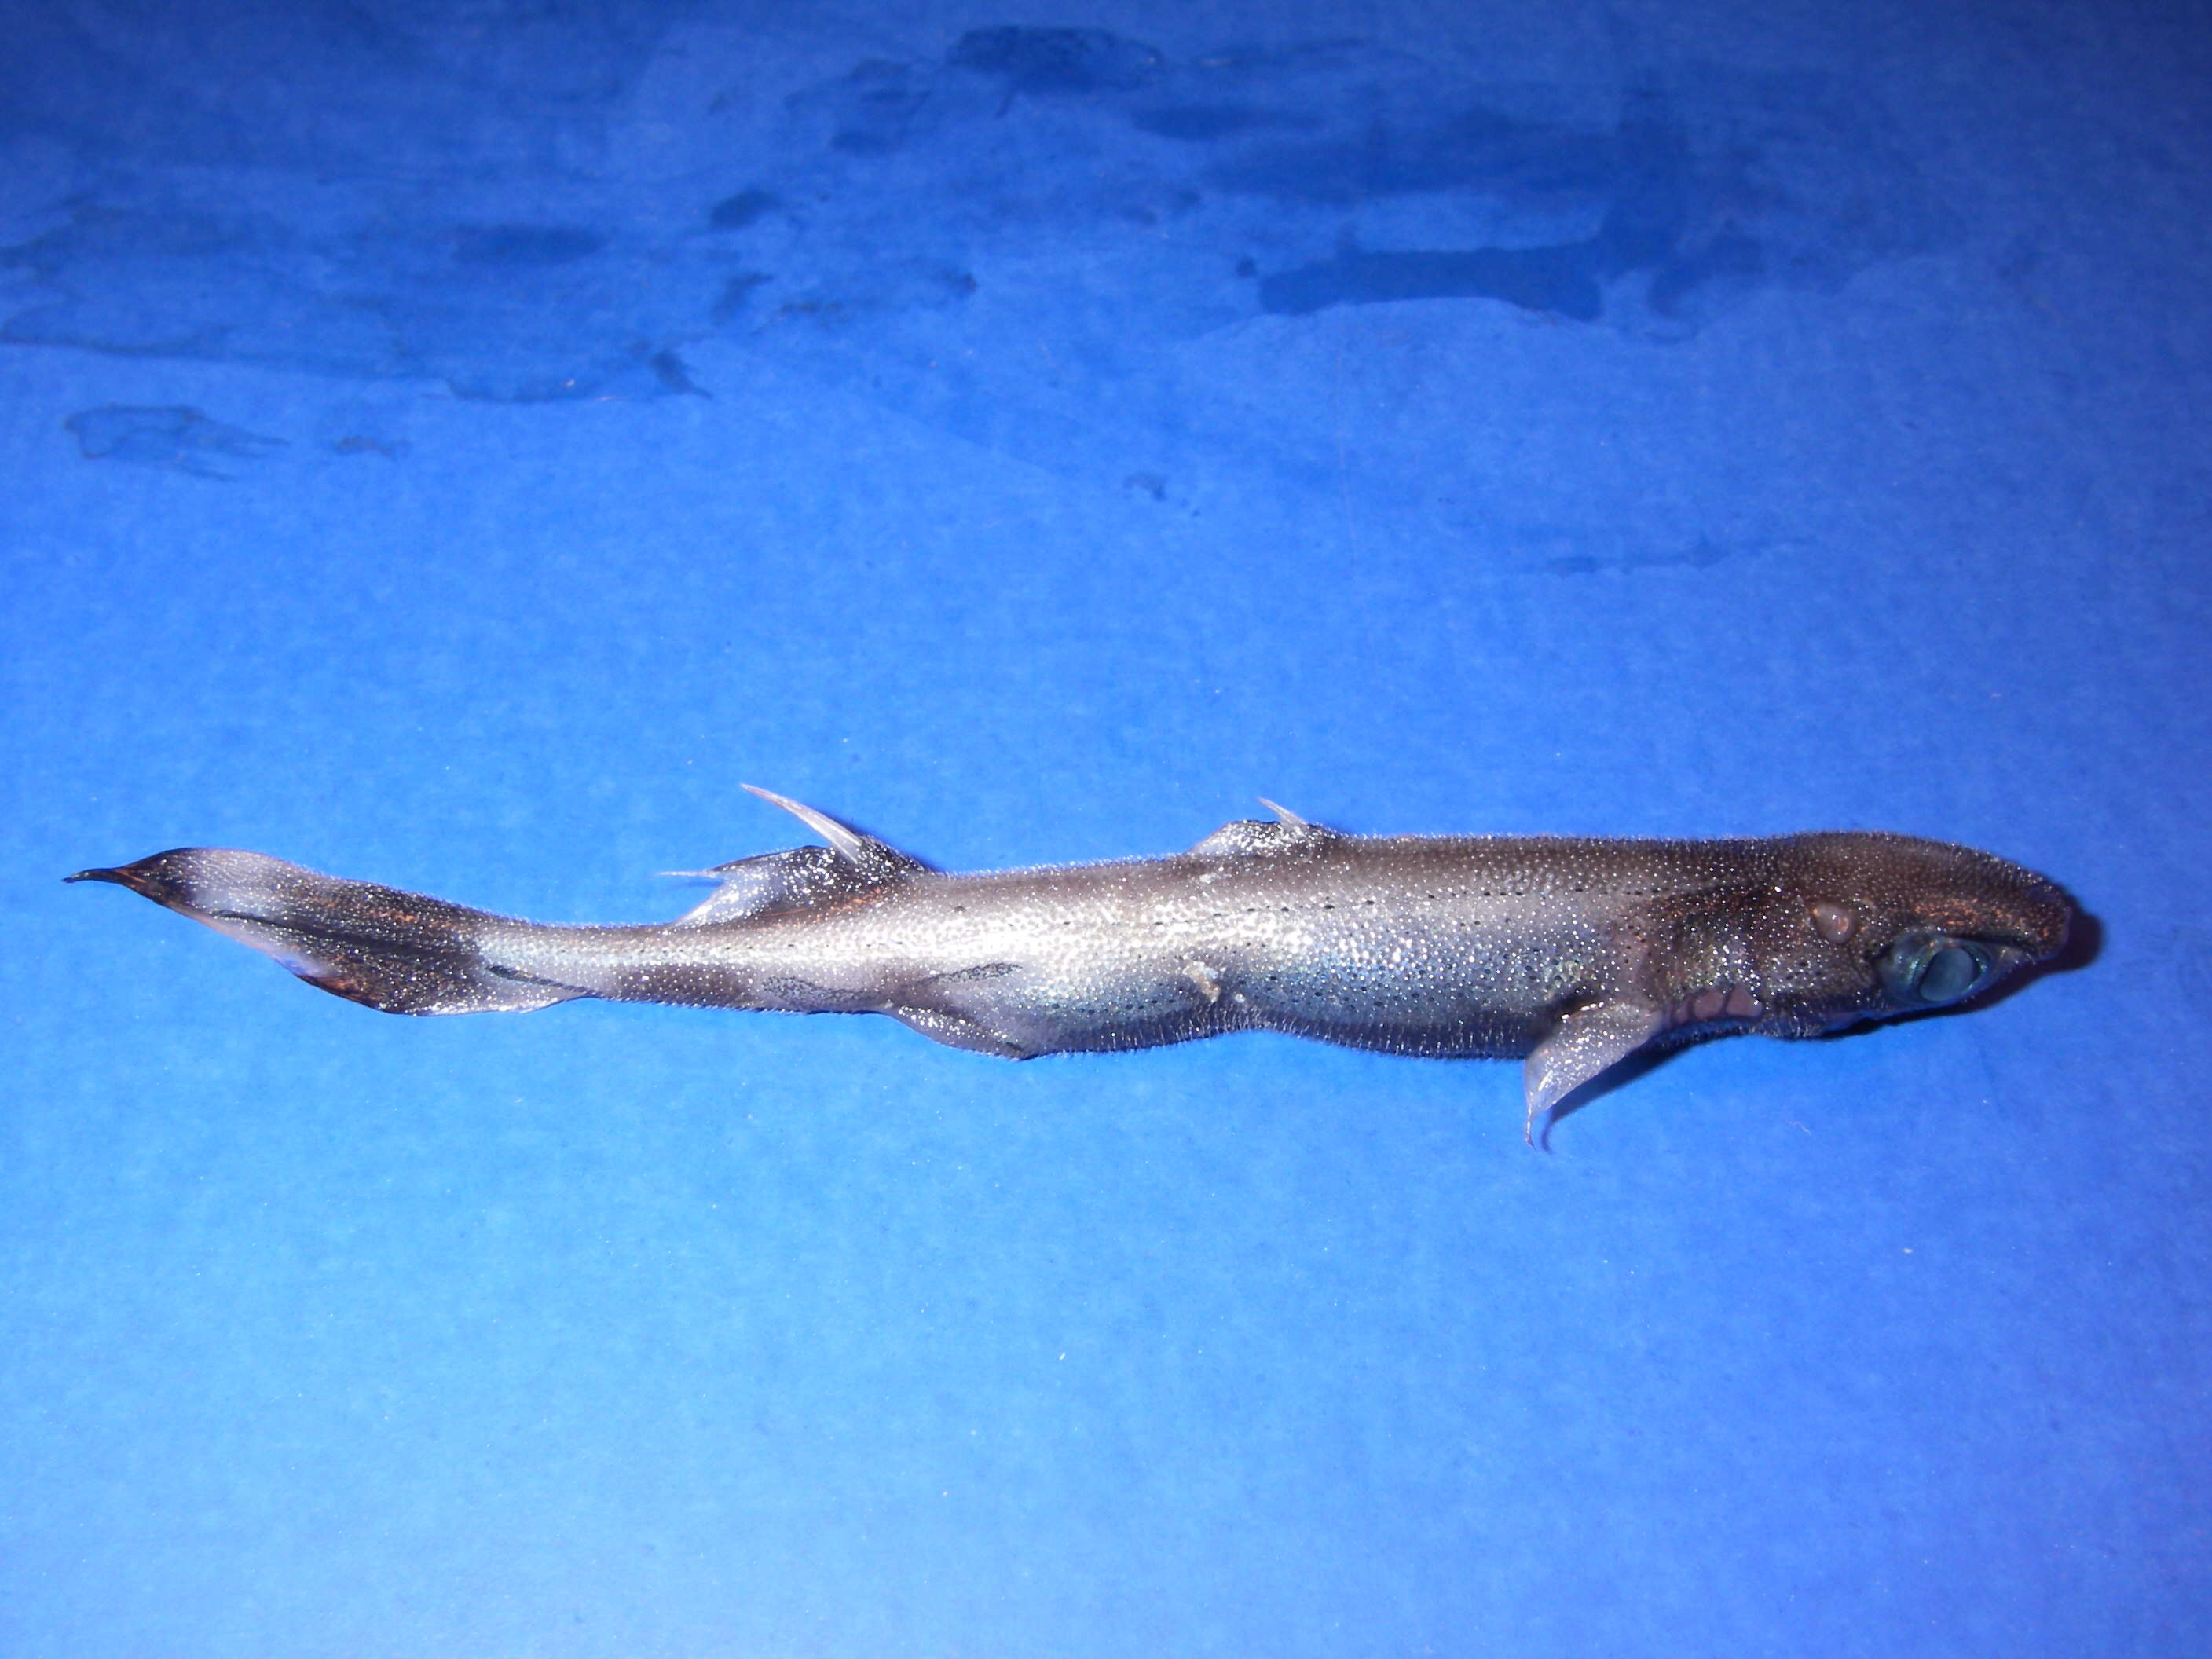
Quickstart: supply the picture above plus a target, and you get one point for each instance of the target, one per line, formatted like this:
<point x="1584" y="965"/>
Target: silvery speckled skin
<point x="1574" y="953"/>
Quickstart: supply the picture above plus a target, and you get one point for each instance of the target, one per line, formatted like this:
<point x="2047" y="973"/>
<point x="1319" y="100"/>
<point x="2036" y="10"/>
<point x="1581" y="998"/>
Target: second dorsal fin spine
<point x="877" y="860"/>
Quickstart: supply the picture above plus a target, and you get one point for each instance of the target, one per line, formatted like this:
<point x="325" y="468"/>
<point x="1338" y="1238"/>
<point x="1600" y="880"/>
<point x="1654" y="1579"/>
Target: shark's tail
<point x="400" y="952"/>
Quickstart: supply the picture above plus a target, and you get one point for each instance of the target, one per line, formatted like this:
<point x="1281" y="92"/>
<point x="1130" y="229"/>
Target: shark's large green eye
<point x="1930" y="970"/>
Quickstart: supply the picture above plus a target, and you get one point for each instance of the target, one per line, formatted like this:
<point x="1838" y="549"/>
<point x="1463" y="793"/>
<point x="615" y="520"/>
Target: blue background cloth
<point x="455" y="447"/>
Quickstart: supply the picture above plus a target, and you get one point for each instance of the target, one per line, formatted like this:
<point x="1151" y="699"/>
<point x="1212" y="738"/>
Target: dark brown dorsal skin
<point x="1571" y="953"/>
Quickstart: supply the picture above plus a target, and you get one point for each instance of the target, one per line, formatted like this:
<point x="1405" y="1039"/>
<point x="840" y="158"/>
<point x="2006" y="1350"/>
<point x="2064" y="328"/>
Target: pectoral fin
<point x="1589" y="1041"/>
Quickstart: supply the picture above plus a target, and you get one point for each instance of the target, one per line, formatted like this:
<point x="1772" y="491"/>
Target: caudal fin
<point x="400" y="952"/>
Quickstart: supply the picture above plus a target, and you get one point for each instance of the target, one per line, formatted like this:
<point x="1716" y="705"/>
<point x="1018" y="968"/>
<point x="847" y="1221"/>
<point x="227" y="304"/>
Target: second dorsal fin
<point x="1253" y="836"/>
<point x="876" y="860"/>
<point x="801" y="877"/>
<point x="768" y="882"/>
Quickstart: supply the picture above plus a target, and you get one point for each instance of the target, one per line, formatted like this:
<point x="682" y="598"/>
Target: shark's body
<point x="1572" y="952"/>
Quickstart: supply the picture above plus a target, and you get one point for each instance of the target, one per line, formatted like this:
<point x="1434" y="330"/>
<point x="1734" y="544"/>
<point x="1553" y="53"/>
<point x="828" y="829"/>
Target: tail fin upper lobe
<point x="400" y="952"/>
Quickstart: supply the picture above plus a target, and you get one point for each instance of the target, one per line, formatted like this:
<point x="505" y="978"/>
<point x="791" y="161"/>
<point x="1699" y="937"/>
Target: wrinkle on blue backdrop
<point x="457" y="447"/>
<point x="779" y="208"/>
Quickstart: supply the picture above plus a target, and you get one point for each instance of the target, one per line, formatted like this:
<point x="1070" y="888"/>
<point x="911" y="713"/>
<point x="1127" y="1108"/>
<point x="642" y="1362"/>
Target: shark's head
<point x="1869" y="925"/>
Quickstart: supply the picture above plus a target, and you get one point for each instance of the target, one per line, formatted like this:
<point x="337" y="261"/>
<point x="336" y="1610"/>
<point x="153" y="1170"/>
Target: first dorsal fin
<point x="876" y="860"/>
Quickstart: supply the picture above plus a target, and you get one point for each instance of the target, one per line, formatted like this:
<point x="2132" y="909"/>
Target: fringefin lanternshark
<point x="1570" y="953"/>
